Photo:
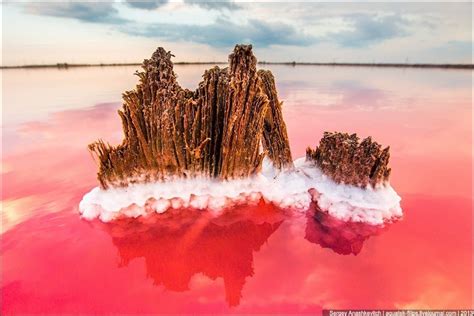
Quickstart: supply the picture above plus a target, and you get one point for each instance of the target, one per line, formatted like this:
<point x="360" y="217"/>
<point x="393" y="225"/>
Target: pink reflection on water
<point x="254" y="259"/>
<point x="342" y="237"/>
<point x="176" y="248"/>
<point x="49" y="162"/>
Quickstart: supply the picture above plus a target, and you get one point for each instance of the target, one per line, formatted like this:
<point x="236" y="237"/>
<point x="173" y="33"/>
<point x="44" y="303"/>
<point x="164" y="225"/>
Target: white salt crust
<point x="293" y="189"/>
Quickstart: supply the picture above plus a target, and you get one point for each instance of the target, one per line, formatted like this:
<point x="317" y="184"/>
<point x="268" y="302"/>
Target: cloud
<point x="214" y="5"/>
<point x="98" y="12"/>
<point x="146" y="5"/>
<point x="360" y="29"/>
<point x="224" y="33"/>
<point x="368" y="29"/>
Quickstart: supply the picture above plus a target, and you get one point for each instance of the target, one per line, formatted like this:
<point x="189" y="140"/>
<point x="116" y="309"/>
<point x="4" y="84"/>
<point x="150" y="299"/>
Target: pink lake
<point x="256" y="259"/>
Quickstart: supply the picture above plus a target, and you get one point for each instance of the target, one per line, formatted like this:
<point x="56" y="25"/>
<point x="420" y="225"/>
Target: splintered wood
<point x="222" y="130"/>
<point x="346" y="160"/>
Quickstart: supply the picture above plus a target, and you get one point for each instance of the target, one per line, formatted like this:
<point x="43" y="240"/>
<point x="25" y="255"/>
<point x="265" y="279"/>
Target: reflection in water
<point x="181" y="243"/>
<point x="54" y="263"/>
<point x="342" y="237"/>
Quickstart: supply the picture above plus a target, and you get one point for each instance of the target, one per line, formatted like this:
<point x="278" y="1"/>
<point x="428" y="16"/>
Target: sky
<point x="128" y="31"/>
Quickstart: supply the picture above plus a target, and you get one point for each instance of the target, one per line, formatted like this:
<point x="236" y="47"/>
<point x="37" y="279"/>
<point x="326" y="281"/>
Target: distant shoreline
<point x="333" y="64"/>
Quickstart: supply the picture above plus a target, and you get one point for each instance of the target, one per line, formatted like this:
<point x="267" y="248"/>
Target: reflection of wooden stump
<point x="346" y="160"/>
<point x="223" y="129"/>
<point x="342" y="237"/>
<point x="176" y="249"/>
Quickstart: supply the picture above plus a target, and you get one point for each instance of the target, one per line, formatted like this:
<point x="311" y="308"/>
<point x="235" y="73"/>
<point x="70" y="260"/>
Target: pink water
<point x="256" y="259"/>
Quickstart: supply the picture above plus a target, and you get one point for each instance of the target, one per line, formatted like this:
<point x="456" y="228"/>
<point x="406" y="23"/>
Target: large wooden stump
<point x="222" y="130"/>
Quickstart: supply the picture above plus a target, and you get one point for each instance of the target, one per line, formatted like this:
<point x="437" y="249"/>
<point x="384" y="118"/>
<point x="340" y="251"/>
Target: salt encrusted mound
<point x="289" y="189"/>
<point x="216" y="131"/>
<point x="346" y="160"/>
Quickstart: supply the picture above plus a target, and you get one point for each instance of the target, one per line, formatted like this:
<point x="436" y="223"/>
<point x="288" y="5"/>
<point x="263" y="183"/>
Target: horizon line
<point x="292" y="63"/>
